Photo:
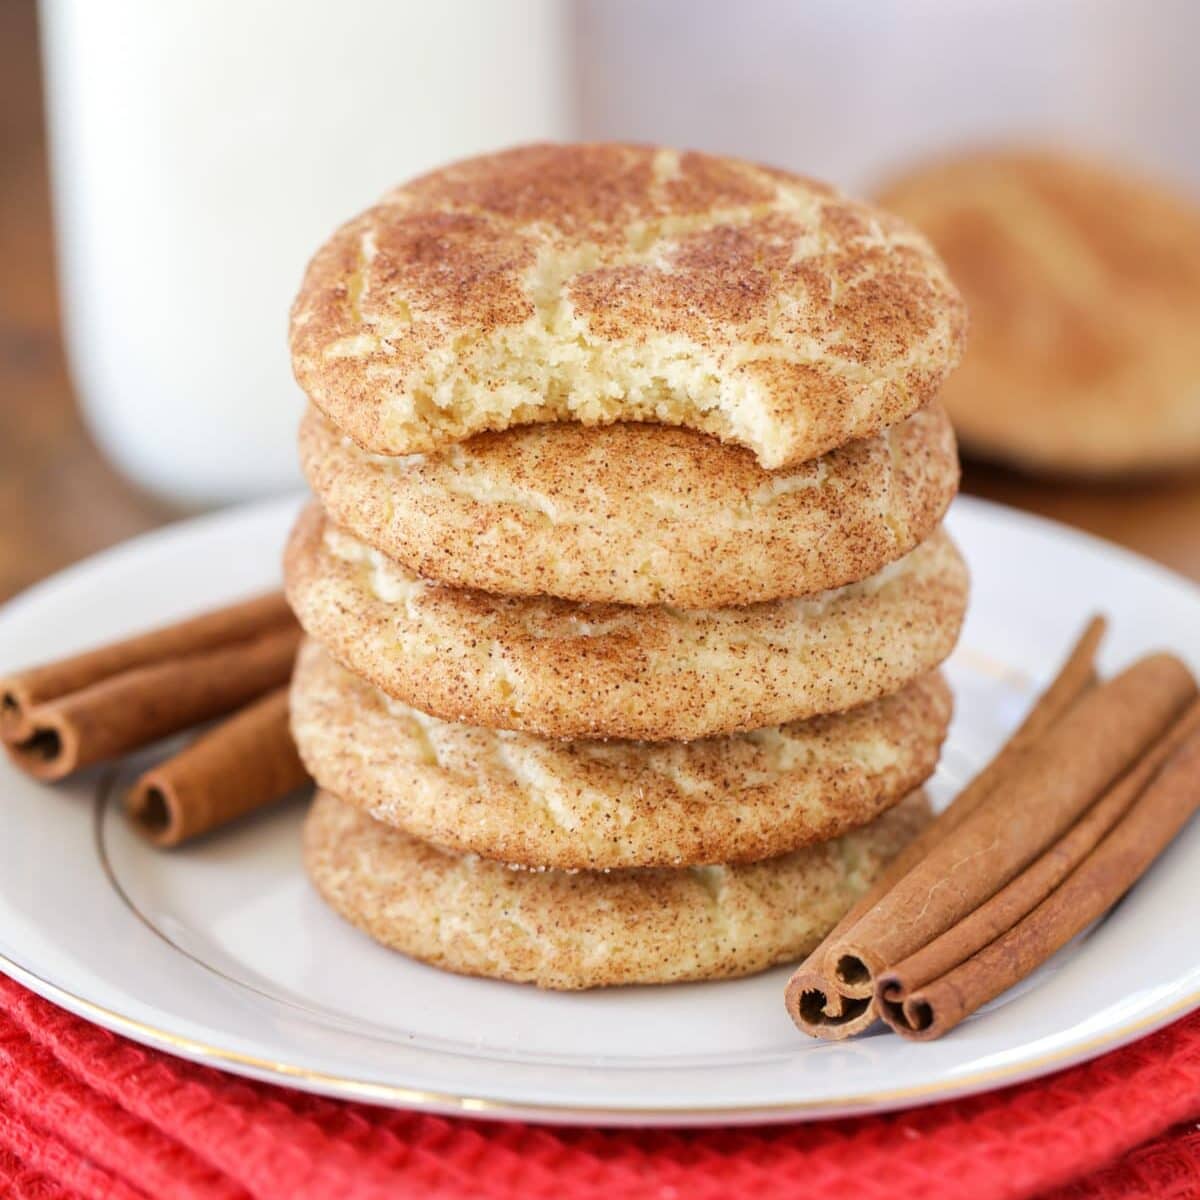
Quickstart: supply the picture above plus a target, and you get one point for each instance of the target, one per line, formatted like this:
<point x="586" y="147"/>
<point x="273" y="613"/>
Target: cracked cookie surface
<point x="639" y="514"/>
<point x="593" y="805"/>
<point x="568" y="670"/>
<point x="609" y="282"/>
<point x="570" y="930"/>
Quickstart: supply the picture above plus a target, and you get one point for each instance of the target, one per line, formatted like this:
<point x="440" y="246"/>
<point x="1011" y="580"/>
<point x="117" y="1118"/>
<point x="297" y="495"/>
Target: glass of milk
<point x="201" y="152"/>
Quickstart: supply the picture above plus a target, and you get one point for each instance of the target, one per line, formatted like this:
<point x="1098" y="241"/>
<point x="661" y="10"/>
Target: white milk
<point x="202" y="151"/>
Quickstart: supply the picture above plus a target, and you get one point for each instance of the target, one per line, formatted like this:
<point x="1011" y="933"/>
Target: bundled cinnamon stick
<point x="921" y="1003"/>
<point x="816" y="1002"/>
<point x="140" y="706"/>
<point x="1077" y="805"/>
<point x="57" y="718"/>
<point x="23" y="691"/>
<point x="1064" y="773"/>
<point x="930" y="991"/>
<point x="240" y="765"/>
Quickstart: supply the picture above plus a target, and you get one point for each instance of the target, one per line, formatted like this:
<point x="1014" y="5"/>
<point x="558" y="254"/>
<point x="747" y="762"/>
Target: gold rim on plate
<point x="397" y="1095"/>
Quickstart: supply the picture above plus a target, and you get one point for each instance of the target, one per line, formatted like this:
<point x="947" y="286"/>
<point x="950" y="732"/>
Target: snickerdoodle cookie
<point x="638" y="514"/>
<point x="1084" y="289"/>
<point x="599" y="805"/>
<point x="611" y="282"/>
<point x="584" y="929"/>
<point x="569" y="670"/>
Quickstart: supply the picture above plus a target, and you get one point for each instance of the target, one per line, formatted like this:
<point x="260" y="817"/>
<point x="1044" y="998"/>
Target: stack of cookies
<point x="626" y="590"/>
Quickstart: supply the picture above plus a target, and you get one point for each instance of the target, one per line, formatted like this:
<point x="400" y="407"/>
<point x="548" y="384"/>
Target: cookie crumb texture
<point x="608" y="282"/>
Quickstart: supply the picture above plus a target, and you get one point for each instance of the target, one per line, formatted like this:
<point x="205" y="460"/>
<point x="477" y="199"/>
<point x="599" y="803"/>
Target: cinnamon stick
<point x="1096" y="884"/>
<point x="23" y="691"/>
<point x="814" y="1000"/>
<point x="1055" y="781"/>
<point x="897" y="992"/>
<point x="131" y="709"/>
<point x="241" y="765"/>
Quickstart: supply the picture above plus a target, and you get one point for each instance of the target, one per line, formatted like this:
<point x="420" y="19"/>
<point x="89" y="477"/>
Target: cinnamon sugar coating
<point x="568" y="670"/>
<point x="613" y="282"/>
<point x="591" y="928"/>
<point x="639" y="514"/>
<point x="594" y="805"/>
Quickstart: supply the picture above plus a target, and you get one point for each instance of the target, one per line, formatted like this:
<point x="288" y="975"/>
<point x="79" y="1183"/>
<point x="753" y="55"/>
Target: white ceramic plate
<point x="222" y="953"/>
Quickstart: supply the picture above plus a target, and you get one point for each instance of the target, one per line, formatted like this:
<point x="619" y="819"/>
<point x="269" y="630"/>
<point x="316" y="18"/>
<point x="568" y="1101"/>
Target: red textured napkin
<point x="84" y="1113"/>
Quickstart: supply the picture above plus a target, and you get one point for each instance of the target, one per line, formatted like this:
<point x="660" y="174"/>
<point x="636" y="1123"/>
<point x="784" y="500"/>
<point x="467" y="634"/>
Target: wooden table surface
<point x="60" y="500"/>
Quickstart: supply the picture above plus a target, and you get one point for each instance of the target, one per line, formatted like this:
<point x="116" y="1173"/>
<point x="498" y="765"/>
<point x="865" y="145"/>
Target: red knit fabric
<point x="1167" y="1168"/>
<point x="24" y="1183"/>
<point x="86" y="1115"/>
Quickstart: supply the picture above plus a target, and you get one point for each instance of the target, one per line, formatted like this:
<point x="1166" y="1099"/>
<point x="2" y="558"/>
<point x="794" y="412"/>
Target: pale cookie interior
<point x="616" y="283"/>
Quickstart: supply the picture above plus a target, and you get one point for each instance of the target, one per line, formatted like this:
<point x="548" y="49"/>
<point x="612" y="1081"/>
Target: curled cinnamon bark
<point x="1169" y="795"/>
<point x="1055" y="781"/>
<point x="22" y="691"/>
<point x="1018" y="898"/>
<point x="241" y="765"/>
<point x="814" y="999"/>
<point x="139" y="706"/>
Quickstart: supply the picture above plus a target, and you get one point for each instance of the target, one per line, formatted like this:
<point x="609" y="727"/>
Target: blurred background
<point x="166" y="168"/>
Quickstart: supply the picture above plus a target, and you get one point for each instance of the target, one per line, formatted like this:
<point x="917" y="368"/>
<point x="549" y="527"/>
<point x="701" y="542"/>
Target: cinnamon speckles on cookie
<point x="636" y="513"/>
<point x="559" y="669"/>
<point x="612" y="282"/>
<point x="593" y="805"/>
<point x="570" y="930"/>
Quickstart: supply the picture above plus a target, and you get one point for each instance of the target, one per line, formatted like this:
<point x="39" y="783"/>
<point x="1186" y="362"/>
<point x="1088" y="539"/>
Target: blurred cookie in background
<point x="1083" y="288"/>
